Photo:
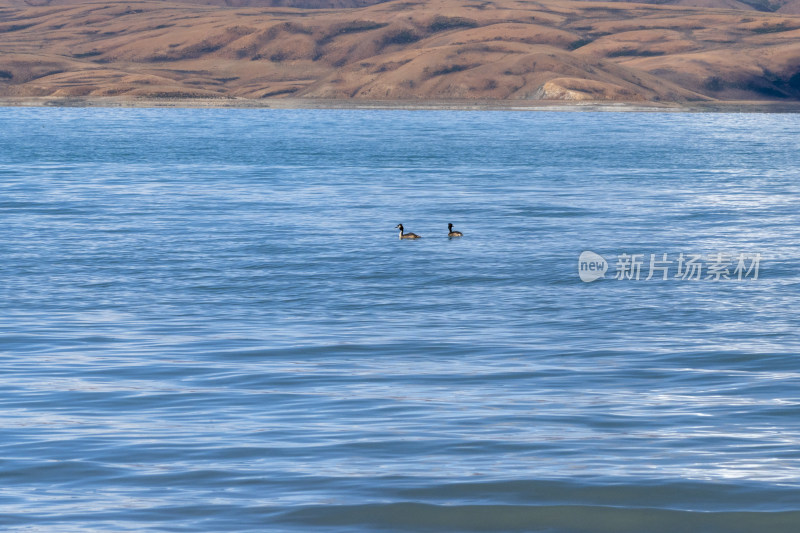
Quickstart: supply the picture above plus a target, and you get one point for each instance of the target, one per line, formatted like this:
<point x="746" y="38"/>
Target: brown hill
<point x="768" y="6"/>
<point x="439" y="49"/>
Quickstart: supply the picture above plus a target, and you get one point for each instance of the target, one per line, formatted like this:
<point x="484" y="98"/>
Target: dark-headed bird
<point x="453" y="233"/>
<point x="406" y="235"/>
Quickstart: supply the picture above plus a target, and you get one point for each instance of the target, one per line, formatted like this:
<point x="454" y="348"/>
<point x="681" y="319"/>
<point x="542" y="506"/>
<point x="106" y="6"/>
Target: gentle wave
<point x="208" y="323"/>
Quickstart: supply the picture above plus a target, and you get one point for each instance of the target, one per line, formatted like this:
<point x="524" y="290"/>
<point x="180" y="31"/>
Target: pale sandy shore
<point x="460" y="105"/>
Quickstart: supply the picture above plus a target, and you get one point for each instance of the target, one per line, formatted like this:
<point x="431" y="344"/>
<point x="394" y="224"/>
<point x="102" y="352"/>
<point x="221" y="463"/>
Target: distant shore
<point x="431" y="105"/>
<point x="439" y="54"/>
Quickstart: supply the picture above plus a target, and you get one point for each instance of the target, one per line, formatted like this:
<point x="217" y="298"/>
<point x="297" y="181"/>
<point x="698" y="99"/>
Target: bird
<point x="406" y="235"/>
<point x="453" y="233"/>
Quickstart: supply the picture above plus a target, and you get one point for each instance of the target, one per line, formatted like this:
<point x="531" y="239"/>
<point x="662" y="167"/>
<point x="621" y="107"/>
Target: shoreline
<point x="407" y="105"/>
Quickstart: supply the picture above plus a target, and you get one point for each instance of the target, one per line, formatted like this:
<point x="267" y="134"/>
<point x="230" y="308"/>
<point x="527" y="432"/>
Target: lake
<point x="208" y="322"/>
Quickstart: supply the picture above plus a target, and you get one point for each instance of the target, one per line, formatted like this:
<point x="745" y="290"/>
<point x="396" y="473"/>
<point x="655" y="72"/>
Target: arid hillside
<point x="400" y="50"/>
<point x="768" y="6"/>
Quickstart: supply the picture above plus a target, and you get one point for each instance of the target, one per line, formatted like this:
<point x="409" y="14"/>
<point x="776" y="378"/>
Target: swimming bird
<point x="453" y="233"/>
<point x="406" y="235"/>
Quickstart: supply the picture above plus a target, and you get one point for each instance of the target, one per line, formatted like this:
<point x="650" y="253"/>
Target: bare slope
<point x="768" y="6"/>
<point x="439" y="49"/>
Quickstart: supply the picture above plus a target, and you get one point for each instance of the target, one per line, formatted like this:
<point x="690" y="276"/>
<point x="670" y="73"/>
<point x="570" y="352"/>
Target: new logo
<point x="591" y="266"/>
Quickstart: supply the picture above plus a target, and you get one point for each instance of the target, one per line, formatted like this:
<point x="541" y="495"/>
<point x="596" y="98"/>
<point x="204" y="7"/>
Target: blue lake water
<point x="208" y="323"/>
